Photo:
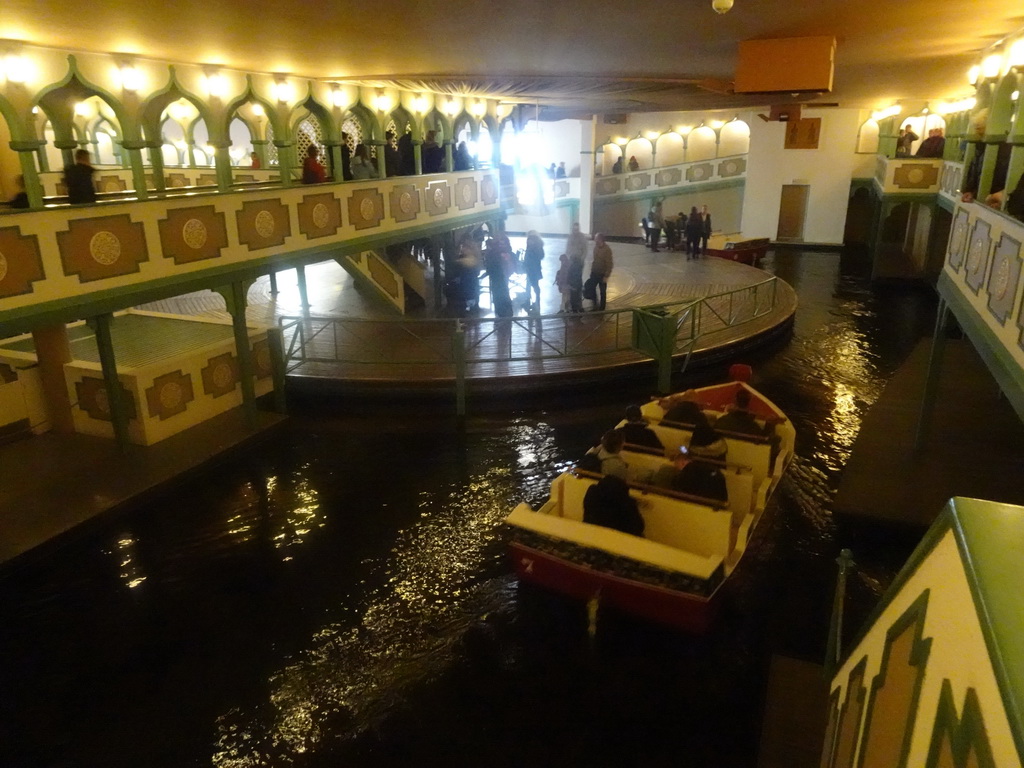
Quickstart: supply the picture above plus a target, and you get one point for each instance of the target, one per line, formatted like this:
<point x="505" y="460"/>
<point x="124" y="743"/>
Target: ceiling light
<point x="721" y="6"/>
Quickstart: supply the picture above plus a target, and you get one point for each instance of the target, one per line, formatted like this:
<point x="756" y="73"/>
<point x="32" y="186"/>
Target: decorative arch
<point x="701" y="144"/>
<point x="867" y="136"/>
<point x="671" y="149"/>
<point x="436" y="121"/>
<point x="249" y="96"/>
<point x="328" y="127"/>
<point x="734" y="138"/>
<point x="642" y="149"/>
<point x="18" y="128"/>
<point x="57" y="102"/>
<point x="403" y="120"/>
<point x="156" y="105"/>
<point x="1000" y="119"/>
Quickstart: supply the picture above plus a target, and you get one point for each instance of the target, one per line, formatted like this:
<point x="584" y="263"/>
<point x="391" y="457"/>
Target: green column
<point x="26" y="157"/>
<point x="449" y="164"/>
<point x="381" y="167"/>
<point x="156" y="162"/>
<point x="284" y="161"/>
<point x="115" y="399"/>
<point x="300" y="274"/>
<point x="235" y="299"/>
<point x="259" y="146"/>
<point x="417" y="153"/>
<point x="134" y="152"/>
<point x="67" y="150"/>
<point x="334" y="148"/>
<point x="222" y="164"/>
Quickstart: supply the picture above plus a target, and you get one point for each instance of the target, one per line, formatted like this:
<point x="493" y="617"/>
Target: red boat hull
<point x="679" y="610"/>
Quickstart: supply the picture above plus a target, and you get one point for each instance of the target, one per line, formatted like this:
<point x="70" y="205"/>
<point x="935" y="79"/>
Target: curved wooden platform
<point x="415" y="357"/>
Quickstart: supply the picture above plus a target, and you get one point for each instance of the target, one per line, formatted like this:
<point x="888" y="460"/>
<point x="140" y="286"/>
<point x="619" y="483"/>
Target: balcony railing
<point x="908" y="175"/>
<point x="672" y="177"/>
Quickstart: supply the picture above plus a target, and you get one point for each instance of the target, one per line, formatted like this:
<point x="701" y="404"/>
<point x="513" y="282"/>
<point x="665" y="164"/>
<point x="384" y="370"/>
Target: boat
<point x="736" y="247"/>
<point x="675" y="574"/>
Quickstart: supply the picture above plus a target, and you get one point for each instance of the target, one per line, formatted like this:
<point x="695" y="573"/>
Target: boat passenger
<point x="636" y="431"/>
<point x="683" y="408"/>
<point x="608" y="503"/>
<point x="689" y="474"/>
<point x="605" y="458"/>
<point x="738" y="417"/>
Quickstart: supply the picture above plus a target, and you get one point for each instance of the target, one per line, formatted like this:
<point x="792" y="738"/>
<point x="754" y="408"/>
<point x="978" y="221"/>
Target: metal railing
<point x="463" y="348"/>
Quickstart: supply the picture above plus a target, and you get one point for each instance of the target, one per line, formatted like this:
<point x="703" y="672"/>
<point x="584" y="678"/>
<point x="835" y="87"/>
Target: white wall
<point x="827" y="170"/>
<point x="562" y="143"/>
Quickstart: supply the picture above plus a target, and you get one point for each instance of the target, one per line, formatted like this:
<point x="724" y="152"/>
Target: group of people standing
<point x="689" y="233"/>
<point x="499" y="262"/>
<point x="399" y="159"/>
<point x="569" y="278"/>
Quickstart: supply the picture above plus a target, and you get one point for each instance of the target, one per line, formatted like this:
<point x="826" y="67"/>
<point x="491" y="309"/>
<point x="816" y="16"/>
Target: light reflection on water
<point x="351" y="673"/>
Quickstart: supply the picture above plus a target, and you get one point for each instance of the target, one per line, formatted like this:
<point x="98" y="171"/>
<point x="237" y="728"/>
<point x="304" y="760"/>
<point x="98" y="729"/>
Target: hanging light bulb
<point x="721" y="6"/>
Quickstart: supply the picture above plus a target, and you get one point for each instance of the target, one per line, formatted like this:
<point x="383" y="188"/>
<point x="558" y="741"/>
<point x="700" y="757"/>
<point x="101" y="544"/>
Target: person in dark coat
<point x="694" y="232"/>
<point x="608" y="503"/>
<point x="497" y="280"/>
<point x="391" y="159"/>
<point x="78" y="179"/>
<point x="346" y="158"/>
<point x="432" y="154"/>
<point x="406" y="155"/>
<point x="636" y="430"/>
<point x="532" y="260"/>
<point x="683" y="408"/>
<point x="740" y="419"/>
<point x="705" y="218"/>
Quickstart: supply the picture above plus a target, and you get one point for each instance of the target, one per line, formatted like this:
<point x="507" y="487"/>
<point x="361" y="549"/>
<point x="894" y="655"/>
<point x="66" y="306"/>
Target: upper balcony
<point x="68" y="262"/>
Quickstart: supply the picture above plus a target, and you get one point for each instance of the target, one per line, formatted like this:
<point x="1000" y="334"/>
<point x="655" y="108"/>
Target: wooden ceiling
<point x="577" y="56"/>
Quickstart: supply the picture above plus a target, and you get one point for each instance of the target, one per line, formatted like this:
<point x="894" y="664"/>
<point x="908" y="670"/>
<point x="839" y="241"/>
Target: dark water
<point x="341" y="597"/>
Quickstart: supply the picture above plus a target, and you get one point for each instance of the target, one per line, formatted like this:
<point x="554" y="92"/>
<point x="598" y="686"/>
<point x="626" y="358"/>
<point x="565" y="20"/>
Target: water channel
<point x="341" y="594"/>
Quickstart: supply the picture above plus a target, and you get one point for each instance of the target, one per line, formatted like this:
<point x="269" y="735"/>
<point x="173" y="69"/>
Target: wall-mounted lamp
<point x="716" y="124"/>
<point x="652" y="135"/>
<point x="16" y="68"/>
<point x="451" y="108"/>
<point x="82" y="109"/>
<point x="131" y="78"/>
<point x="1015" y="54"/>
<point x="283" y="91"/>
<point x="683" y="130"/>
<point x="972" y="74"/>
<point x="480" y="108"/>
<point x="991" y="65"/>
<point x="257" y="109"/>
<point x="338" y="98"/>
<point x="1014" y="96"/>
<point x="419" y="104"/>
<point x="216" y="85"/>
<point x="721" y="6"/>
<point x="381" y="102"/>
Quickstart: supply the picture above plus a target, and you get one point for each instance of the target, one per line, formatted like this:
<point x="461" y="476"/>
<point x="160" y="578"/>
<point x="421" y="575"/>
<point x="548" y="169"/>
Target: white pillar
<point x="587" y="147"/>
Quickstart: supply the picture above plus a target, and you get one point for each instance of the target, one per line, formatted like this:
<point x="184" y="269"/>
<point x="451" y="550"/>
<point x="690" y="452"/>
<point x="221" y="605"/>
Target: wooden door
<point x="792" y="210"/>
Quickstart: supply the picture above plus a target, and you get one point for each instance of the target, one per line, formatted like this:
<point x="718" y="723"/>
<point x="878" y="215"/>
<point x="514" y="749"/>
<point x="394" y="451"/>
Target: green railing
<point x="461" y="349"/>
